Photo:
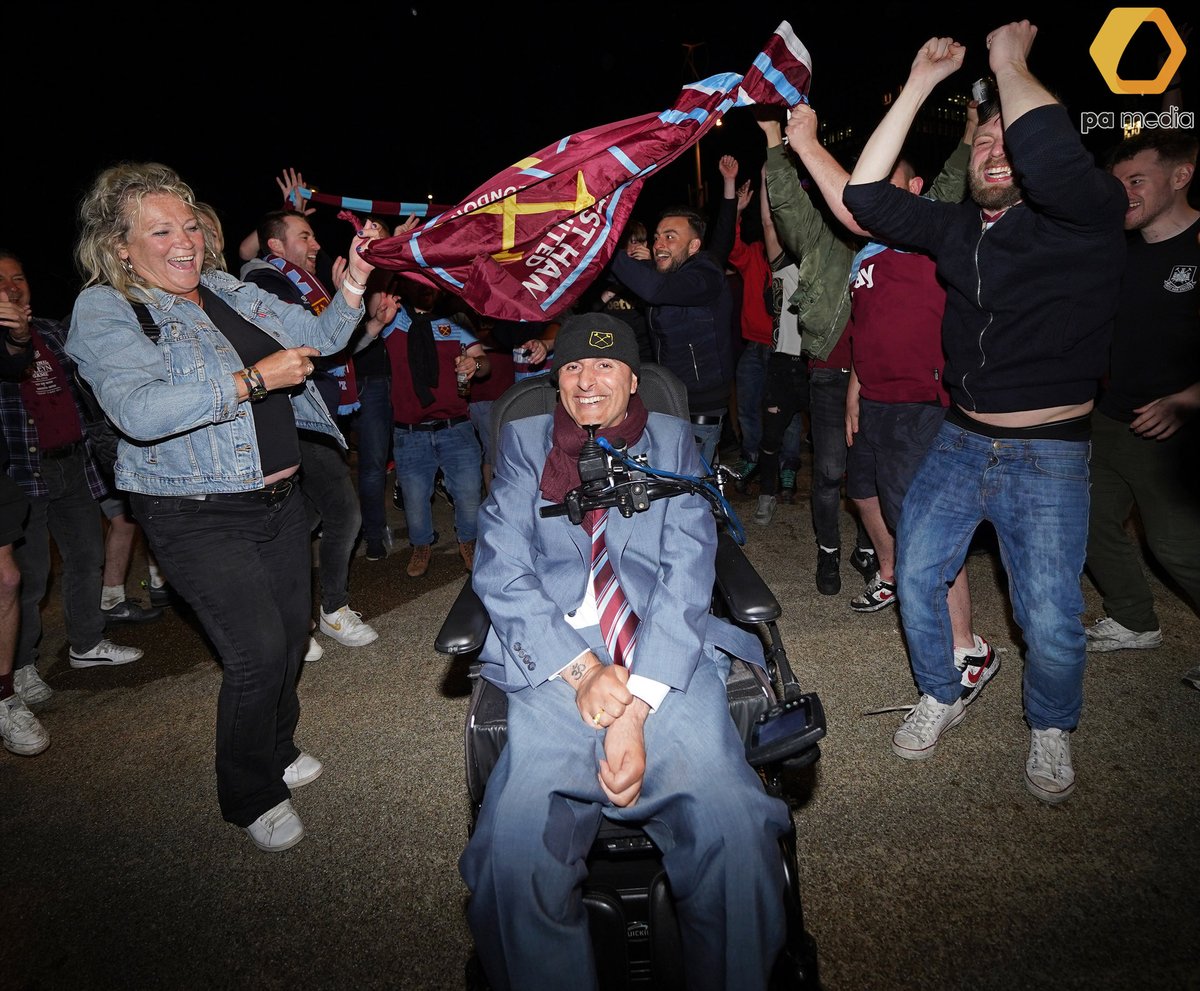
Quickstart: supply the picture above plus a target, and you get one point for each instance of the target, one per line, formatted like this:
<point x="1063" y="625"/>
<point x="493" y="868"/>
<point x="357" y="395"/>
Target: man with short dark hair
<point x="1145" y="438"/>
<point x="690" y="312"/>
<point x="1032" y="269"/>
<point x="615" y="672"/>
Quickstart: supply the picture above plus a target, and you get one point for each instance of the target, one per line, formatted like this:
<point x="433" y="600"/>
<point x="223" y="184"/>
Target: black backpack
<point x="102" y="435"/>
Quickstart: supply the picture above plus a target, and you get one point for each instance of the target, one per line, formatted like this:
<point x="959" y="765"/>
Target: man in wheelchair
<point x="615" y="671"/>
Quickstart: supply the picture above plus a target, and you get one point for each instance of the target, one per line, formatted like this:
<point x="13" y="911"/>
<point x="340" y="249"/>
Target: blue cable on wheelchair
<point x="693" y="484"/>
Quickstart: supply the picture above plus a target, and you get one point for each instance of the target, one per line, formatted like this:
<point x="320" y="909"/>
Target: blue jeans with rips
<point x="419" y="454"/>
<point x="1036" y="495"/>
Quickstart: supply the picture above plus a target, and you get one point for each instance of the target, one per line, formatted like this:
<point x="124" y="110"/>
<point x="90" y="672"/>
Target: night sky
<point x="401" y="102"/>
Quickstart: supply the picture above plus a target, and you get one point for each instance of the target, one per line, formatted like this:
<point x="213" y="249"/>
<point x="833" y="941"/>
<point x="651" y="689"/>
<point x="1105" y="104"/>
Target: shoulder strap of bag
<point x="146" y="319"/>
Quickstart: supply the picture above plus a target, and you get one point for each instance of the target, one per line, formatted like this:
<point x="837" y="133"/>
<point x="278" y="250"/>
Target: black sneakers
<point x="863" y="561"/>
<point x="829" y="577"/>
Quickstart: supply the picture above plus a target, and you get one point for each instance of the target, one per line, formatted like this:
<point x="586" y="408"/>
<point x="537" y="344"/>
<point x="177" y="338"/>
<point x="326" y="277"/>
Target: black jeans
<point x="786" y="393"/>
<point x="245" y="568"/>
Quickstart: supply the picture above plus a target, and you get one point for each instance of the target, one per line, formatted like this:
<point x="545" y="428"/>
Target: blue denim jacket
<point x="176" y="401"/>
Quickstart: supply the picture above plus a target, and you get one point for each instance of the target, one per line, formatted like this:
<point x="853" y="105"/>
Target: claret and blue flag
<point x="529" y="241"/>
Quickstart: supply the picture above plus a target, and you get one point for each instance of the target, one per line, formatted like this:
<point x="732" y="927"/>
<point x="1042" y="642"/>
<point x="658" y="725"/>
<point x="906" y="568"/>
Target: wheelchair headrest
<point x="661" y="390"/>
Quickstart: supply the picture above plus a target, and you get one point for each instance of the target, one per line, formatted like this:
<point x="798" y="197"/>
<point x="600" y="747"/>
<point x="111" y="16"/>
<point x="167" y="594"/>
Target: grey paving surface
<point x="943" y="874"/>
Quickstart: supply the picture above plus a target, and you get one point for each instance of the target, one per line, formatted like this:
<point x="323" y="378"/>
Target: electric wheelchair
<point x="630" y="910"/>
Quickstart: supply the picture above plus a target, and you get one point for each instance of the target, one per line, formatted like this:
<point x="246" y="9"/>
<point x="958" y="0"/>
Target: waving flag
<point x="526" y="243"/>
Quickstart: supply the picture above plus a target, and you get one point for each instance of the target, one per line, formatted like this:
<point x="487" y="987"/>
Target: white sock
<point x="112" y="595"/>
<point x="156" y="578"/>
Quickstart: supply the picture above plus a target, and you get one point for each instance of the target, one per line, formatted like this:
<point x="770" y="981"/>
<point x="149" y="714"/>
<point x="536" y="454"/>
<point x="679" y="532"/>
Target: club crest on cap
<point x="601" y="339"/>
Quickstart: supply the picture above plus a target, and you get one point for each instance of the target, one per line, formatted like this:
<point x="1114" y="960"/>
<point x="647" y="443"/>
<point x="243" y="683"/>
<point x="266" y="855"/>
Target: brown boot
<point x="466" y="550"/>
<point x="418" y="564"/>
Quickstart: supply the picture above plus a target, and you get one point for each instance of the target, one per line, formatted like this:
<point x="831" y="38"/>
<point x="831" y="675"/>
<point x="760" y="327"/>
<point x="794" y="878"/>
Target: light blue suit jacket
<point x="531" y="571"/>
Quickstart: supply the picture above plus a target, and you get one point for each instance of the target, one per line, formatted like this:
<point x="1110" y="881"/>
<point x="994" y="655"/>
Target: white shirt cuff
<point x="649" y="691"/>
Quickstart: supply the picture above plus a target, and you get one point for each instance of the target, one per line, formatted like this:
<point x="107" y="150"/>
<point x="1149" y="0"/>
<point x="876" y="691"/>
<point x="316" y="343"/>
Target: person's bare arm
<point x="829" y="176"/>
<point x="937" y="59"/>
<point x="1020" y="92"/>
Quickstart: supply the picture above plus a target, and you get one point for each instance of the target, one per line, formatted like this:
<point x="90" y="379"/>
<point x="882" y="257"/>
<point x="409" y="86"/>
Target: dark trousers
<point x="332" y="503"/>
<point x="373" y="423"/>
<point x="245" y="569"/>
<point x="786" y="393"/>
<point x="71" y="515"/>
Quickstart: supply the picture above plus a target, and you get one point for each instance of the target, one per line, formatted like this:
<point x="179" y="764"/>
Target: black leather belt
<point x="454" y="421"/>
<point x="707" y="419"/>
<point x="271" y="494"/>
<point x="63" y="452"/>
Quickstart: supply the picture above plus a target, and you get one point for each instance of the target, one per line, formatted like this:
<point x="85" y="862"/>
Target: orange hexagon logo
<point x="1114" y="36"/>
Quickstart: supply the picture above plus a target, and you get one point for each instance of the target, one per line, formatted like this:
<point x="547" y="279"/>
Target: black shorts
<point x="891" y="443"/>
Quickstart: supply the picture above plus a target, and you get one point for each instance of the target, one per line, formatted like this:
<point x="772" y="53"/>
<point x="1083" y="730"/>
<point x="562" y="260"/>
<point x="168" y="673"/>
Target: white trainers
<point x="977" y="665"/>
<point x="918" y="735"/>
<point x="765" y="512"/>
<point x="315" y="651"/>
<point x="302" y="770"/>
<point x="347" y="628"/>
<point x="1048" y="771"/>
<point x="29" y="685"/>
<point x="106" y="654"/>
<point x="1108" y="634"/>
<point x="277" y="829"/>
<point x="20" y="729"/>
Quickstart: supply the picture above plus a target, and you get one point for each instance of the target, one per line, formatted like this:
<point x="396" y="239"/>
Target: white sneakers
<point x="277" y="829"/>
<point x="918" y="735"/>
<point x="347" y="627"/>
<point x="29" y="685"/>
<point x="315" y="651"/>
<point x="1048" y="771"/>
<point x="280" y="828"/>
<point x="19" y="728"/>
<point x="302" y="770"/>
<point x="105" y="654"/>
<point x="1108" y="634"/>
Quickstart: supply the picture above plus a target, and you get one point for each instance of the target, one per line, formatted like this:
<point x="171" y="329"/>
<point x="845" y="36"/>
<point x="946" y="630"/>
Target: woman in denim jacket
<point x="208" y="414"/>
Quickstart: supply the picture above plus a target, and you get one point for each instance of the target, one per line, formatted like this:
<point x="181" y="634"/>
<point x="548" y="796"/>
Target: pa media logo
<point x="1113" y="38"/>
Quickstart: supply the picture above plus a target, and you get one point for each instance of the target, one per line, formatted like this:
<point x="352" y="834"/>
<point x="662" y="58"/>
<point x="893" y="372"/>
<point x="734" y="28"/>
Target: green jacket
<point x="822" y="300"/>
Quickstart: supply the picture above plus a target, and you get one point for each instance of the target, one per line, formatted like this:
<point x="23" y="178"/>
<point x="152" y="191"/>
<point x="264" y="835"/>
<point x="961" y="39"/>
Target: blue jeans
<point x="245" y="569"/>
<point x="701" y="803"/>
<point x="708" y="436"/>
<point x="419" y="454"/>
<point x="373" y="423"/>
<point x="1035" y="494"/>
<point x="333" y="504"/>
<point x="751" y="386"/>
<point x="72" y="516"/>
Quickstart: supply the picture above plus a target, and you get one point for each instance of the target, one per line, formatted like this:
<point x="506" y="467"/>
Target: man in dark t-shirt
<point x="1145" y="432"/>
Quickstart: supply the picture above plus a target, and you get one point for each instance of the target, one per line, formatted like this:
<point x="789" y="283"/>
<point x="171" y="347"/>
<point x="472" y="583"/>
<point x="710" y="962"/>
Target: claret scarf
<point x="561" y="473"/>
<point x="316" y="296"/>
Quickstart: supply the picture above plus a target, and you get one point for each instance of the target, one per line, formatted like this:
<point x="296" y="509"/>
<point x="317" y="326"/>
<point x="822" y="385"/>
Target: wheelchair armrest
<point x="745" y="594"/>
<point x="465" y="626"/>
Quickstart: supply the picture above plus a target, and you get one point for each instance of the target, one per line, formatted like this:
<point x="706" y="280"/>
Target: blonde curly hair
<point x="106" y="215"/>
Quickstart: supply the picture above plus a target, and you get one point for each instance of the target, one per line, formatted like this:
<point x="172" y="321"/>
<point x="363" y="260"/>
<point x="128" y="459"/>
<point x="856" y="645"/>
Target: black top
<point x="274" y="421"/>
